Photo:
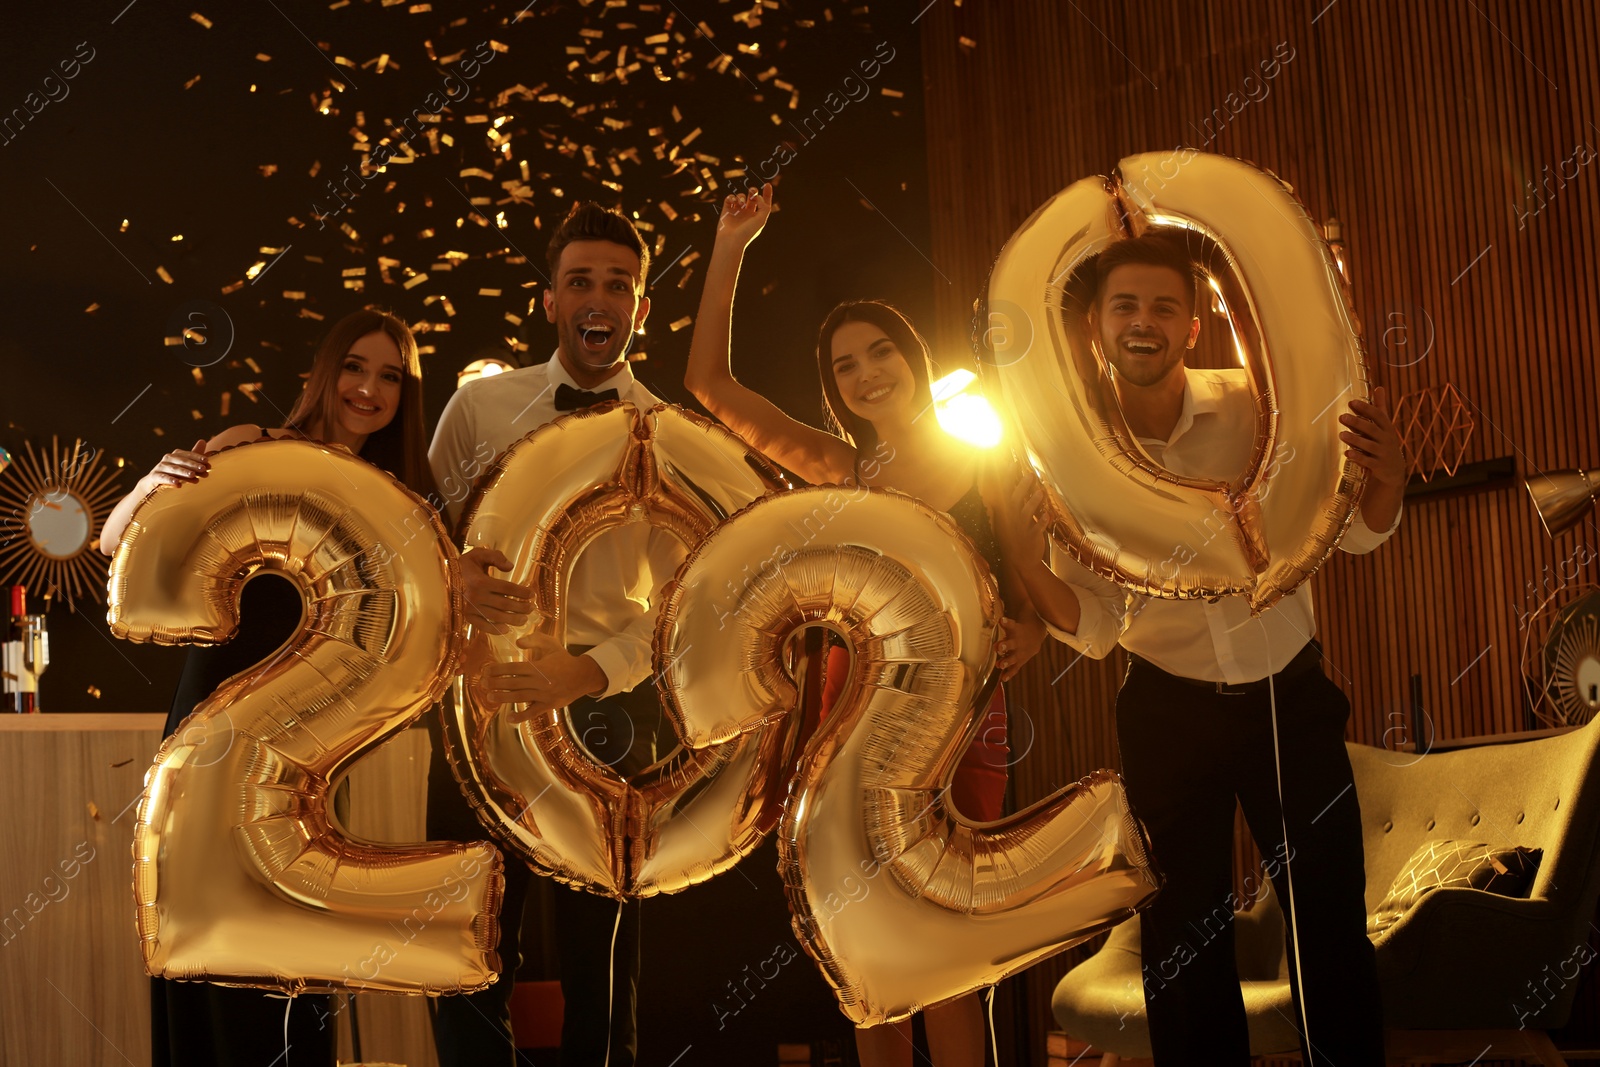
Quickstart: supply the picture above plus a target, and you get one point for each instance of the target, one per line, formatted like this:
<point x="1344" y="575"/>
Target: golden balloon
<point x="1260" y="533"/>
<point x="239" y="876"/>
<point x="901" y="900"/>
<point x="694" y="813"/>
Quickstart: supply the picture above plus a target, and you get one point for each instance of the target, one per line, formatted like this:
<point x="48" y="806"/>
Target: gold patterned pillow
<point x="1459" y="864"/>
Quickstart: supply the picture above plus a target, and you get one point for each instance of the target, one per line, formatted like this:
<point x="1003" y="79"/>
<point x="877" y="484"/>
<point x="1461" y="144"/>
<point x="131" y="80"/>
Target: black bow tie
<point x="570" y="399"/>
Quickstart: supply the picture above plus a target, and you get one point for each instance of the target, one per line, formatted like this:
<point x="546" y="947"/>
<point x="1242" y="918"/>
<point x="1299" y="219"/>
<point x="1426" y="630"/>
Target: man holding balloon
<point x="596" y="300"/>
<point x="1221" y="705"/>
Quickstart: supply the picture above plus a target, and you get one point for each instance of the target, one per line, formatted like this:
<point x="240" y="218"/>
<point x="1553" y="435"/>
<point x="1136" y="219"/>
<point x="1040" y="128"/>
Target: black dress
<point x="197" y="1024"/>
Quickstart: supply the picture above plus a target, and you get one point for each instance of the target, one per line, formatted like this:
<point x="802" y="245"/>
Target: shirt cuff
<point x="614" y="664"/>
<point x="1092" y="623"/>
<point x="1360" y="538"/>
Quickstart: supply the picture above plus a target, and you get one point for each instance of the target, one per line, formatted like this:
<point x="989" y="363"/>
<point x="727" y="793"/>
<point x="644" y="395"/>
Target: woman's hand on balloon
<point x="493" y="604"/>
<point x="743" y="216"/>
<point x="180" y="466"/>
<point x="1020" y="641"/>
<point x="1022" y="527"/>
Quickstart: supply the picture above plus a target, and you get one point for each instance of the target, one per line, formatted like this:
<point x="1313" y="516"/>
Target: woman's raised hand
<point x="743" y="216"/>
<point x="180" y="466"/>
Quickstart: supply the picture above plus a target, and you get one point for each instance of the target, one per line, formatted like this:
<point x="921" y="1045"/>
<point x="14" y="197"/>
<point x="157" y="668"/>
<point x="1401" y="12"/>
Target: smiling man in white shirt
<point x="1194" y="715"/>
<point x="598" y="266"/>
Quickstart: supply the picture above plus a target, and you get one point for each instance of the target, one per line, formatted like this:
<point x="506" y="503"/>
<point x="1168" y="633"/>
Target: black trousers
<point x="1187" y="753"/>
<point x="475" y="1028"/>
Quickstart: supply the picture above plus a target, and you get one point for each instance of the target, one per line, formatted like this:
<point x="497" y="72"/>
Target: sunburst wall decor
<point x="54" y="506"/>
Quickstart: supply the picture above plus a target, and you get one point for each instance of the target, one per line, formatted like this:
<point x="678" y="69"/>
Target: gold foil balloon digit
<point x="901" y="900"/>
<point x="1260" y="532"/>
<point x="694" y="813"/>
<point x="239" y="877"/>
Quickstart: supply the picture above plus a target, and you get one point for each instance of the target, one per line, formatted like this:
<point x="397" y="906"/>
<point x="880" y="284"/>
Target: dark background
<point x="161" y="128"/>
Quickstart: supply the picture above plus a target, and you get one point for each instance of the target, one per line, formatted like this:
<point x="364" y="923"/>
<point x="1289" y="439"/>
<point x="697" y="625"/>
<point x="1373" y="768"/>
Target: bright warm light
<point x="969" y="417"/>
<point x="963" y="415"/>
<point x="951" y="384"/>
<point x="480" y="368"/>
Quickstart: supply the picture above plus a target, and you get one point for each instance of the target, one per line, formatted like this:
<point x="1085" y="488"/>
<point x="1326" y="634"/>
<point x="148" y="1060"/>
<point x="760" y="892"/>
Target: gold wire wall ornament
<point x="53" y="507"/>
<point x="1435" y="426"/>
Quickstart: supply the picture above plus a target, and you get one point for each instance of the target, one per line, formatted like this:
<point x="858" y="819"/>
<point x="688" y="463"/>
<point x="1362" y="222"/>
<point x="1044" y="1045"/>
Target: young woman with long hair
<point x="364" y="392"/>
<point x="876" y="386"/>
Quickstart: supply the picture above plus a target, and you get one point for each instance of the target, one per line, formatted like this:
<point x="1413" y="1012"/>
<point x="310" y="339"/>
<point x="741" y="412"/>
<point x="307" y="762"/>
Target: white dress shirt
<point x="610" y="603"/>
<point x="1212" y="642"/>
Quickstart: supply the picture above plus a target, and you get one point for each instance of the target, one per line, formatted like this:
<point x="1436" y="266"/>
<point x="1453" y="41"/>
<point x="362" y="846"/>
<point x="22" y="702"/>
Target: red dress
<point x="979" y="786"/>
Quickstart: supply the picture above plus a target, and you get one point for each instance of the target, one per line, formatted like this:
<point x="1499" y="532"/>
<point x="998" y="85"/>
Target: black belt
<point x="1306" y="660"/>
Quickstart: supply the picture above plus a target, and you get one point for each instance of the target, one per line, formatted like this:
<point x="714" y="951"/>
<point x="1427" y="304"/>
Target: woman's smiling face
<point x="369" y="384"/>
<point x="872" y="374"/>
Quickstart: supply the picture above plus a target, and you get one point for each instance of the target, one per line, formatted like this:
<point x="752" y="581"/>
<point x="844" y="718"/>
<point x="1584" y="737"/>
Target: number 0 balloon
<point x="1119" y="513"/>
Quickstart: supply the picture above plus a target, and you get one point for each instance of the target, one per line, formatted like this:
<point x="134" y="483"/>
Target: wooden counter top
<point x="94" y="720"/>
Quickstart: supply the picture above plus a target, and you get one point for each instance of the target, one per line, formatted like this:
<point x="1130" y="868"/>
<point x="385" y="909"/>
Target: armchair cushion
<point x="1507" y="871"/>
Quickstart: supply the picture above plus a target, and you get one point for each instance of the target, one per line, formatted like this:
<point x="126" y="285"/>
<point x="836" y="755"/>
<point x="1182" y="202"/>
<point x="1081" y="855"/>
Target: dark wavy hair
<point x="589" y="221"/>
<point x="401" y="447"/>
<point x="838" y="416"/>
<point x="1150" y="250"/>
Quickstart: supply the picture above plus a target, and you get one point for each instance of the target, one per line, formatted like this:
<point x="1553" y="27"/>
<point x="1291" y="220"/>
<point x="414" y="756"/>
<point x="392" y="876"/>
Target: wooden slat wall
<point x="1417" y="124"/>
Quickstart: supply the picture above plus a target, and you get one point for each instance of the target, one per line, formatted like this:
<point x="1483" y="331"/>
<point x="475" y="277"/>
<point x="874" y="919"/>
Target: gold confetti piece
<point x="234" y="288"/>
<point x="488" y="292"/>
<point x="248" y="389"/>
<point x="199" y="375"/>
<point x="680" y="323"/>
<point x="159" y="432"/>
<point x="294" y="294"/>
<point x="267" y="169"/>
<point x="172" y="342"/>
<point x="895" y="93"/>
<point x="92" y="308"/>
<point x="766" y="290"/>
<point x="513" y="319"/>
<point x="967" y="42"/>
<point x="161" y="272"/>
<point x="251" y="363"/>
<point x="227" y="397"/>
<point x="201" y="19"/>
<point x="263" y="57"/>
<point x="307" y="313"/>
<point x="124" y="228"/>
<point x="94" y="811"/>
<point x="196" y="413"/>
<point x="419" y="9"/>
<point x="353" y="272"/>
<point x="191" y="81"/>
<point x="414" y="281"/>
<point x="93" y="691"/>
<point x="498" y="47"/>
<point x="688" y="259"/>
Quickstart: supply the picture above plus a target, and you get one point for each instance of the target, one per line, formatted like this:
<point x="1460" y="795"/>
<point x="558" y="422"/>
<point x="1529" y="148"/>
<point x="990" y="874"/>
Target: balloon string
<point x="611" y="983"/>
<point x="1288" y="853"/>
<point x="288" y="1006"/>
<point x="994" y="1038"/>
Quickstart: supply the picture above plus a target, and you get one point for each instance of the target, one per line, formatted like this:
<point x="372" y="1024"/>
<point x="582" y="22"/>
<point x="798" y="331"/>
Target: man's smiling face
<point x="596" y="304"/>
<point x="1145" y="321"/>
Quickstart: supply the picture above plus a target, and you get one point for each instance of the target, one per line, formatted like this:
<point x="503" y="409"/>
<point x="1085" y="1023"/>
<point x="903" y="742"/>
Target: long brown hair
<point x="837" y="415"/>
<point x="401" y="447"/>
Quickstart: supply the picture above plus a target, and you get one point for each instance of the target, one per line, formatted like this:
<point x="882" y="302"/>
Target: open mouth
<point x="361" y="407"/>
<point x="595" y="336"/>
<point x="878" y="393"/>
<point x="1142" y="346"/>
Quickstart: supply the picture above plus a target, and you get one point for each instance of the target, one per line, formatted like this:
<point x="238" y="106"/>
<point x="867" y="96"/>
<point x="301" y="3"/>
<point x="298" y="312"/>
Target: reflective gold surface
<point x="1118" y="512"/>
<point x="900" y="899"/>
<point x="240" y="877"/>
<point x="695" y="812"/>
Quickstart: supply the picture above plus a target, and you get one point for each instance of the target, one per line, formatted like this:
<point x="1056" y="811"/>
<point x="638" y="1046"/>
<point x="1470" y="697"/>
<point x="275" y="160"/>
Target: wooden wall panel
<point x="1418" y="125"/>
